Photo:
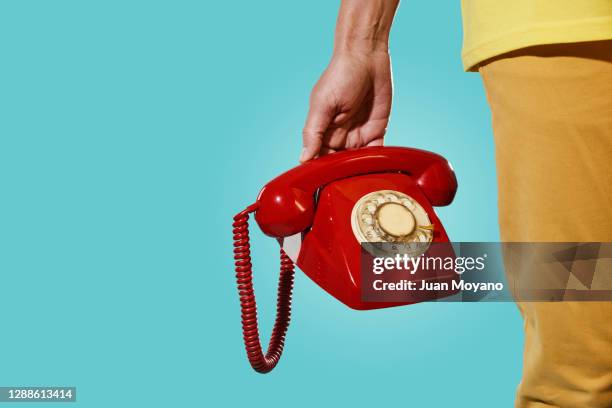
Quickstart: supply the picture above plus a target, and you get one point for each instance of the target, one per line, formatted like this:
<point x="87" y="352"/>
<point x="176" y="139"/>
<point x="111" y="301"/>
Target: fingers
<point x="320" y="116"/>
<point x="376" y="142"/>
<point x="335" y="137"/>
<point x="326" y="150"/>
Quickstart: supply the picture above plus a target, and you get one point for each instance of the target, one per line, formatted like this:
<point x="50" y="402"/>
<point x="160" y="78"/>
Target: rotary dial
<point x="390" y="216"/>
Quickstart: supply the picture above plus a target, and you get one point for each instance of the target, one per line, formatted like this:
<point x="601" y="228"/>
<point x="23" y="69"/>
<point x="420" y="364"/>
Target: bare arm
<point x="351" y="102"/>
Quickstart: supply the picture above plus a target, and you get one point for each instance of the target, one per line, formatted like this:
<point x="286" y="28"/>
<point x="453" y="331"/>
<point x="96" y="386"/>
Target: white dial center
<point x="395" y="219"/>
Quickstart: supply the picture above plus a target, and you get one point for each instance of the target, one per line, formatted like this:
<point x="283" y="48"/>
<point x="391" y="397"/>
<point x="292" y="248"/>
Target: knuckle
<point x="309" y="134"/>
<point x="319" y="95"/>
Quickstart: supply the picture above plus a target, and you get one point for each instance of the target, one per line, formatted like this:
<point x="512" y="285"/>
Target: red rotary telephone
<point x="322" y="210"/>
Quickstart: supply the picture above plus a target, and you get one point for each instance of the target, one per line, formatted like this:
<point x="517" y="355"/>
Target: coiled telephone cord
<point x="242" y="256"/>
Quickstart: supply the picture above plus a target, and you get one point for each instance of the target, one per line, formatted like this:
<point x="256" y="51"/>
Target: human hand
<point x="350" y="104"/>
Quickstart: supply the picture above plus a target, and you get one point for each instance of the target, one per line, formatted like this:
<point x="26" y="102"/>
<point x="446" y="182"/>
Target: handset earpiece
<point x="283" y="212"/>
<point x="438" y="183"/>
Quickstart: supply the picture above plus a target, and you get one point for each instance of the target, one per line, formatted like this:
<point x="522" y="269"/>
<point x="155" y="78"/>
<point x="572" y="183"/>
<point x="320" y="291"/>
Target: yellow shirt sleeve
<point x="494" y="27"/>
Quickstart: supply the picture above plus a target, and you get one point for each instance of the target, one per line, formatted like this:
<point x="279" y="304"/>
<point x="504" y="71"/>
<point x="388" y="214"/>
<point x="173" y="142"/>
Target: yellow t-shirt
<point x="493" y="27"/>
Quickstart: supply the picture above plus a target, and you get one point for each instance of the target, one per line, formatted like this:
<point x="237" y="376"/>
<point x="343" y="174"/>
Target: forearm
<point x="364" y="25"/>
<point x="351" y="102"/>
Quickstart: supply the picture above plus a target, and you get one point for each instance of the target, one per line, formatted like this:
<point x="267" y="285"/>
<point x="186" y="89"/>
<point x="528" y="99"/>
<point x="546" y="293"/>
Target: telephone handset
<point x="321" y="211"/>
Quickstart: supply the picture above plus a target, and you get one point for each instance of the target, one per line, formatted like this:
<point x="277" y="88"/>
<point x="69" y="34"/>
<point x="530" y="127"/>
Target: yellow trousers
<point x="552" y="121"/>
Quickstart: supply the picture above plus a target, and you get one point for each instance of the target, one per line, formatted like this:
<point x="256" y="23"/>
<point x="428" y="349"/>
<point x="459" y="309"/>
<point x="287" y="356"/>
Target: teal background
<point x="132" y="131"/>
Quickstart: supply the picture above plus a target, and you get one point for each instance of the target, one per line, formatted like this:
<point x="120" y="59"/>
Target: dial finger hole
<point x="367" y="219"/>
<point x="391" y="198"/>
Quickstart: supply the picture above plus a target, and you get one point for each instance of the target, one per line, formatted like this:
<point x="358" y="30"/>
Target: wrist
<point x="360" y="44"/>
<point x="366" y="52"/>
<point x="364" y="25"/>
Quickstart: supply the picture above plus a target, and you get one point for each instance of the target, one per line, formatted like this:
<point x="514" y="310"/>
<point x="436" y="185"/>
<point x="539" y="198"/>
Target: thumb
<point x="319" y="118"/>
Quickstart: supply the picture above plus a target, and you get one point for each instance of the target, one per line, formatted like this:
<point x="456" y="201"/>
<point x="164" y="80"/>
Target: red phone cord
<point x="242" y="256"/>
